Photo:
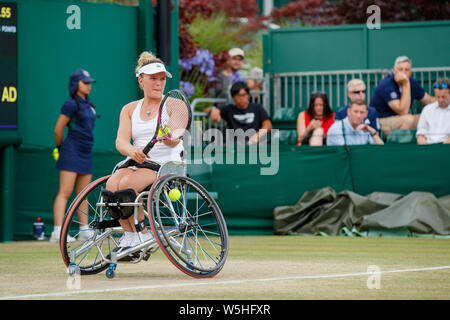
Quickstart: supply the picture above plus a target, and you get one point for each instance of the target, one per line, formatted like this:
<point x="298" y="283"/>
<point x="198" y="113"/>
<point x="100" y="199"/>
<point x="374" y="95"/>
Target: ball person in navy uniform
<point x="75" y="153"/>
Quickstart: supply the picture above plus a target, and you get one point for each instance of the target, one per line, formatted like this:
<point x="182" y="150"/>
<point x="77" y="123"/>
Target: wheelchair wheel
<point x="188" y="226"/>
<point x="89" y="250"/>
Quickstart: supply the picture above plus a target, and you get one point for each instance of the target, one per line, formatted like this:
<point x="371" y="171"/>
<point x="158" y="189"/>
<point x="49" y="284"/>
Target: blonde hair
<point x="354" y="82"/>
<point x="146" y="58"/>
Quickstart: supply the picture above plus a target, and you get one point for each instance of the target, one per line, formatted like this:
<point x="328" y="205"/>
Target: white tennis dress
<point x="142" y="132"/>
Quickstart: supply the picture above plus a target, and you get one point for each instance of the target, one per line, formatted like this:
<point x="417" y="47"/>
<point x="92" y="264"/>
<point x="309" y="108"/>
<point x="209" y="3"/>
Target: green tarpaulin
<point x="326" y="212"/>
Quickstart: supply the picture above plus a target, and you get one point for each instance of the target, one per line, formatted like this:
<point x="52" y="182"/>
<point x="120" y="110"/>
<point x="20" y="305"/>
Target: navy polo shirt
<point x="371" y="119"/>
<point x="388" y="90"/>
<point x="80" y="128"/>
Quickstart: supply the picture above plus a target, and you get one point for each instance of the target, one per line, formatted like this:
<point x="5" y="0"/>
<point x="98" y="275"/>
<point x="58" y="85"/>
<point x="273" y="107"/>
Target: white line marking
<point x="207" y="283"/>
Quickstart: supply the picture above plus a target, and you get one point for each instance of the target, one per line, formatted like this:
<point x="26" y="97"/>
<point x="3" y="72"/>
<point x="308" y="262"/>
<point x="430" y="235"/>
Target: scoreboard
<point x="8" y="65"/>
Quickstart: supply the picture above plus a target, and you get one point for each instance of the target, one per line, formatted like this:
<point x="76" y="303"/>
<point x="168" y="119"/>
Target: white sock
<point x="84" y="227"/>
<point x="57" y="229"/>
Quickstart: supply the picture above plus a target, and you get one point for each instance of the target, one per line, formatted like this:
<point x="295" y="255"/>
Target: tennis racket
<point x="174" y="118"/>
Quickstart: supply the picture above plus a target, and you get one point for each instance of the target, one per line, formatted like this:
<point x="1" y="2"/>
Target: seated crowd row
<point x="356" y="123"/>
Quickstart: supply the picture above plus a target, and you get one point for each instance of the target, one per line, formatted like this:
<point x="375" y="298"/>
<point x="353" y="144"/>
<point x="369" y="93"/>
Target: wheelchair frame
<point x="195" y="242"/>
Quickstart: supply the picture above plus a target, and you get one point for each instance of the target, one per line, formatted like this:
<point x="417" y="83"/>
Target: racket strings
<point x="175" y="116"/>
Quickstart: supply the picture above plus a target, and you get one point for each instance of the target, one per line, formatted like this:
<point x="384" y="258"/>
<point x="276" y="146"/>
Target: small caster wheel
<point x="111" y="271"/>
<point x="72" y="269"/>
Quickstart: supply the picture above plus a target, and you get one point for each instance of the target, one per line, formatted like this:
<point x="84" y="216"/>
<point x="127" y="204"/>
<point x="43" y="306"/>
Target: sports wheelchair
<point x="189" y="228"/>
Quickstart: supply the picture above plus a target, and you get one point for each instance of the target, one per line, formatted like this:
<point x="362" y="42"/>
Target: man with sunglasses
<point x="434" y="121"/>
<point x="394" y="96"/>
<point x="356" y="90"/>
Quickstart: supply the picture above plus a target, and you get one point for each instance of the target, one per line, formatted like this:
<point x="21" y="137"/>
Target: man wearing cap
<point x="74" y="155"/>
<point x="230" y="74"/>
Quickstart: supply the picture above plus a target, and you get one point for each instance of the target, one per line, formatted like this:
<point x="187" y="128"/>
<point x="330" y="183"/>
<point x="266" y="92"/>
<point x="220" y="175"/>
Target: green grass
<point x="292" y="263"/>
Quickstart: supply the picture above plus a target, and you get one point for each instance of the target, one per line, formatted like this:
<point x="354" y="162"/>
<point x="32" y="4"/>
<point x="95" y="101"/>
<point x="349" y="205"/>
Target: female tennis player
<point x="138" y="122"/>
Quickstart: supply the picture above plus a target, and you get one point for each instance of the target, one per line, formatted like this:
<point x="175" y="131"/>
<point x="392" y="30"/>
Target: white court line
<point x="207" y="283"/>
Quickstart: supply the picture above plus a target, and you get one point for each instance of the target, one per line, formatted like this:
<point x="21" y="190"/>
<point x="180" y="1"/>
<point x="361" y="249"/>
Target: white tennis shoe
<point x="55" y="237"/>
<point x="126" y="240"/>
<point x="85" y="235"/>
<point x="145" y="237"/>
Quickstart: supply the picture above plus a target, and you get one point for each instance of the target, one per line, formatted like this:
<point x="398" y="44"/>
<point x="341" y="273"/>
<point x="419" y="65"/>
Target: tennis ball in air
<point x="55" y="154"/>
<point x="174" y="194"/>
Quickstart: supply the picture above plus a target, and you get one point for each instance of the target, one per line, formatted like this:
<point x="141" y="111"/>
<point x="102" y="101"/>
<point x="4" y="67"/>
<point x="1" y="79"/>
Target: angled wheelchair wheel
<point x="188" y="226"/>
<point x="87" y="250"/>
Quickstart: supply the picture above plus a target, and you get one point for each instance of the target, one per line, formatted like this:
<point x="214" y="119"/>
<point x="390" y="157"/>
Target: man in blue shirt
<point x="356" y="90"/>
<point x="353" y="130"/>
<point x="394" y="96"/>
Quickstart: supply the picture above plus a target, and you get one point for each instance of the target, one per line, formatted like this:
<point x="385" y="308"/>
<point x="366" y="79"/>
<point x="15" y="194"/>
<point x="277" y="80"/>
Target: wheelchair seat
<point x="170" y="167"/>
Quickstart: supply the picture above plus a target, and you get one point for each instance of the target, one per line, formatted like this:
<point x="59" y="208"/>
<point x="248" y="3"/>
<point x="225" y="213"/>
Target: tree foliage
<point x="323" y="12"/>
<point x="354" y="11"/>
<point x="306" y="12"/>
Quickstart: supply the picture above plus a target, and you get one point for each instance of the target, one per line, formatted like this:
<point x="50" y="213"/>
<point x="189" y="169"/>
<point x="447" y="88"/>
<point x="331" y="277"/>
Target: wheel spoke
<point x="200" y="246"/>
<point x="88" y="252"/>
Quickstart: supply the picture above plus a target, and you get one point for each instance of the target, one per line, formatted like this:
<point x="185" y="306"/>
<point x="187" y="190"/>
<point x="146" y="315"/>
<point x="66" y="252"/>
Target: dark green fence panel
<point x="246" y="197"/>
<point x="352" y="47"/>
<point x="316" y="48"/>
<point x="37" y="182"/>
<point x="106" y="46"/>
<point x="401" y="168"/>
<point x="396" y="39"/>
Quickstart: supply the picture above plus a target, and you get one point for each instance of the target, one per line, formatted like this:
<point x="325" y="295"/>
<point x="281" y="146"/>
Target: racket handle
<point x="149" y="146"/>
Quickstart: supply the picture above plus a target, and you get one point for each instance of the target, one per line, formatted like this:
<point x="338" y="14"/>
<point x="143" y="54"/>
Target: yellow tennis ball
<point x="55" y="154"/>
<point x="165" y="130"/>
<point x="174" y="194"/>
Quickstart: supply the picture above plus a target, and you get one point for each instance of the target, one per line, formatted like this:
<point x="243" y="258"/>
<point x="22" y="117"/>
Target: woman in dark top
<point x="75" y="152"/>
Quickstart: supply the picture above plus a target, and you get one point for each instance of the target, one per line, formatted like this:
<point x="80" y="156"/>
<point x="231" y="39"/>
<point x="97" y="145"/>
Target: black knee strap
<point x="125" y="195"/>
<point x="109" y="197"/>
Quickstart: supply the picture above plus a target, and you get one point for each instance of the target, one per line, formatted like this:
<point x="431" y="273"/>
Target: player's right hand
<point x="138" y="155"/>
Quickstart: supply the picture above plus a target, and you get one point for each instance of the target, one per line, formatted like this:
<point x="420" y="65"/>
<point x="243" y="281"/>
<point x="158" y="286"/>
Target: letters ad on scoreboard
<point x="8" y="65"/>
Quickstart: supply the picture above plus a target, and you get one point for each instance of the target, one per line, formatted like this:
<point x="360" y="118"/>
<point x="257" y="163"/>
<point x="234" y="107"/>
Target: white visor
<point x="153" y="68"/>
